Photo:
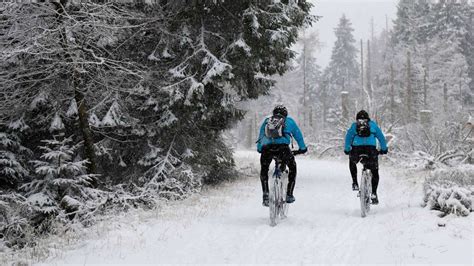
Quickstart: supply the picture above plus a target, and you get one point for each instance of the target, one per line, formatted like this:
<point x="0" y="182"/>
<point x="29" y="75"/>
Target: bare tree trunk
<point x="369" y="69"/>
<point x="325" y="114"/>
<point x="304" y="83"/>
<point x="425" y="118"/>
<point x="445" y="97"/>
<point x="85" y="127"/>
<point x="345" y="105"/>
<point x="324" y="102"/>
<point x="78" y="84"/>
<point x="425" y="88"/>
<point x="460" y="90"/>
<point x="361" y="96"/>
<point x="250" y="133"/>
<point x="409" y="88"/>
<point x="372" y="30"/>
<point x="256" y="128"/>
<point x="372" y="55"/>
<point x="392" y="94"/>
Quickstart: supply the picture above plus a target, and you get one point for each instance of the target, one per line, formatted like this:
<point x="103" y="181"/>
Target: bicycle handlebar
<point x="297" y="152"/>
<point x="377" y="152"/>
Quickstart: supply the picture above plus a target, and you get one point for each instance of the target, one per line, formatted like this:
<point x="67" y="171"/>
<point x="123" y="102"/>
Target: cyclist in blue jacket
<point x="274" y="140"/>
<point x="361" y="139"/>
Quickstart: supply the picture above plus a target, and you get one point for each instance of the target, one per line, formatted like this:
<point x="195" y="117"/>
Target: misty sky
<point x="358" y="11"/>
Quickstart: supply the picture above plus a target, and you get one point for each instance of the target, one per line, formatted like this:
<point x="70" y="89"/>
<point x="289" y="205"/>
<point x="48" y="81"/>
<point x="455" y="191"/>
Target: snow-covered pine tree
<point x="341" y="75"/>
<point x="117" y="76"/>
<point x="208" y="60"/>
<point x="52" y="60"/>
<point x="13" y="155"/>
<point x="422" y="26"/>
<point x="463" y="23"/>
<point x="449" y="58"/>
<point x="381" y="77"/>
<point x="343" y="71"/>
<point x="436" y="35"/>
<point x="404" y="24"/>
<point x="468" y="50"/>
<point x="412" y="24"/>
<point x="308" y="74"/>
<point x="14" y="170"/>
<point x="61" y="179"/>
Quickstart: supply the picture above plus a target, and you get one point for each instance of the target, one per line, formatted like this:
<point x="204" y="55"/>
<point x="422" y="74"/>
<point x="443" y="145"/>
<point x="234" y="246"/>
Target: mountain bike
<point x="365" y="186"/>
<point x="277" y="191"/>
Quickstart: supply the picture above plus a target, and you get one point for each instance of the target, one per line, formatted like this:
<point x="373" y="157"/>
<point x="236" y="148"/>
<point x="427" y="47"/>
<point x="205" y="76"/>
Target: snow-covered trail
<point x="229" y="225"/>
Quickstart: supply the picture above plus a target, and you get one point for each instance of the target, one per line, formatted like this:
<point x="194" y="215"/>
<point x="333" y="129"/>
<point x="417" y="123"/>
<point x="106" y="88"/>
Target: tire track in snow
<point x="342" y="231"/>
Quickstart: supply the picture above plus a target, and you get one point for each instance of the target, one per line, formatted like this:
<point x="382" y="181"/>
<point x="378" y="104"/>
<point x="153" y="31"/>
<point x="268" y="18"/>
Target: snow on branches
<point x="450" y="190"/>
<point x="13" y="167"/>
<point x="167" y="176"/>
<point x="137" y="93"/>
<point x="114" y="116"/>
<point x="59" y="175"/>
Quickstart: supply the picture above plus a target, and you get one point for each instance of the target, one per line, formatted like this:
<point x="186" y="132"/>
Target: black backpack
<point x="275" y="127"/>
<point x="363" y="128"/>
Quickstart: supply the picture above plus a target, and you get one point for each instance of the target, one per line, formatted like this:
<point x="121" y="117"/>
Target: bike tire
<point x="284" y="205"/>
<point x="273" y="201"/>
<point x="369" y="189"/>
<point x="365" y="193"/>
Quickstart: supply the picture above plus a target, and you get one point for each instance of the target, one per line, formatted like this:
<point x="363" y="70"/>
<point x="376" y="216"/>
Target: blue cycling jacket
<point x="291" y="129"/>
<point x="352" y="139"/>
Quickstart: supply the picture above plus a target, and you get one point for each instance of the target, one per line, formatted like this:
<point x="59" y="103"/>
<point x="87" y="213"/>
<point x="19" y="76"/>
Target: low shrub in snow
<point x="60" y="196"/>
<point x="450" y="190"/>
<point x="15" y="227"/>
<point x="443" y="145"/>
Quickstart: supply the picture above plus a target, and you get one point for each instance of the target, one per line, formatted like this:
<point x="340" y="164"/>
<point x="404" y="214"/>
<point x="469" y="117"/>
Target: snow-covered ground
<point x="228" y="224"/>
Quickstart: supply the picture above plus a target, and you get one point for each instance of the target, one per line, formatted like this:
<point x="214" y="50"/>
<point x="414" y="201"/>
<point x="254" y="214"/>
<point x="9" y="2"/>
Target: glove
<point x="259" y="150"/>
<point x="347" y="152"/>
<point x="384" y="151"/>
<point x="300" y="151"/>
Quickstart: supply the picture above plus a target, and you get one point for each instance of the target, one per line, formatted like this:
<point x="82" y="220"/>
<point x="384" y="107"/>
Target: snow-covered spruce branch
<point x="214" y="66"/>
<point x="161" y="166"/>
<point x="167" y="175"/>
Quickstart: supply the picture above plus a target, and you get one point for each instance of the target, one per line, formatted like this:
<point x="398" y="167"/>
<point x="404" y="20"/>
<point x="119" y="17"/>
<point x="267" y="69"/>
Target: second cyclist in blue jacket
<point x="361" y="138"/>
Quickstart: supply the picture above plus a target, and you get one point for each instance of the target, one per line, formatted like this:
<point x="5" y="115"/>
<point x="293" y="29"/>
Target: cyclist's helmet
<point x="280" y="110"/>
<point x="362" y="114"/>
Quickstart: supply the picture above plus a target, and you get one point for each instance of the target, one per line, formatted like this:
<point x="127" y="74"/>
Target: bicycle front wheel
<point x="365" y="193"/>
<point x="283" y="205"/>
<point x="273" y="201"/>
